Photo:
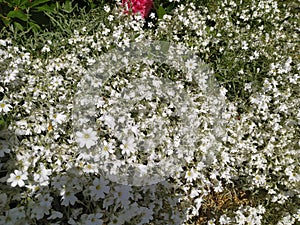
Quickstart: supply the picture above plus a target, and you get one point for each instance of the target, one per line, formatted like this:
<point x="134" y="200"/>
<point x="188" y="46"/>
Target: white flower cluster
<point x="58" y="160"/>
<point x="159" y="123"/>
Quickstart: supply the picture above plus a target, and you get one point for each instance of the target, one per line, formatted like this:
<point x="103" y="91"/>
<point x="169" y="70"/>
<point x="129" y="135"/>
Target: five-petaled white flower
<point x="17" y="178"/>
<point x="107" y="148"/>
<point x="99" y="188"/>
<point x="191" y="64"/>
<point x="128" y="146"/>
<point x="94" y="219"/>
<point x="4" y="107"/>
<point x="86" y="138"/>
<point x="191" y="175"/>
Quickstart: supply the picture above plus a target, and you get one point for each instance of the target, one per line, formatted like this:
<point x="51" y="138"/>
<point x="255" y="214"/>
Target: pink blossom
<point x="142" y="6"/>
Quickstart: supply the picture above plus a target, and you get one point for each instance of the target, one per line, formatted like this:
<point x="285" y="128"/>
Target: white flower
<point x="194" y="193"/>
<point x="45" y="49"/>
<point x="211" y="222"/>
<point x="110" y="18"/>
<point x="14" y="215"/>
<point x="54" y="215"/>
<point x="191" y="175"/>
<point x="57" y="118"/>
<point x="90" y="168"/>
<point x="191" y="64"/>
<point x="87" y="138"/>
<point x="22" y="128"/>
<point x="128" y="146"/>
<point x="259" y="180"/>
<point x="100" y="102"/>
<point x="94" y="219"/>
<point x="106" y="8"/>
<point x="244" y="45"/>
<point x="3" y="42"/>
<point x="218" y="188"/>
<point x="198" y="202"/>
<point x="42" y="176"/>
<point x="4" y="107"/>
<point x="117" y="220"/>
<point x="122" y="194"/>
<point x="108" y="120"/>
<point x="107" y="148"/>
<point x="68" y="197"/>
<point x="45" y="200"/>
<point x="38" y="212"/>
<point x="224" y="219"/>
<point x="99" y="188"/>
<point x="17" y="178"/>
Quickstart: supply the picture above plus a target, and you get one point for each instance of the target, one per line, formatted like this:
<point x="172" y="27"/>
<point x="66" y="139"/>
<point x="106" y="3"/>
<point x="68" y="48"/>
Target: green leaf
<point x="45" y="8"/>
<point x="17" y="2"/>
<point x="18" y="26"/>
<point x="37" y="2"/>
<point x="34" y="27"/>
<point x="5" y="20"/>
<point x="9" y="4"/>
<point x="67" y="7"/>
<point x="23" y="4"/>
<point x="18" y="14"/>
<point x="3" y="124"/>
<point x="161" y="12"/>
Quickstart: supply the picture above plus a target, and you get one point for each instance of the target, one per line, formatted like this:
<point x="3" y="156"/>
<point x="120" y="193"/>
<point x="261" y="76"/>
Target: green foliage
<point x="2" y="124"/>
<point x="163" y="7"/>
<point x="19" y="13"/>
<point x="30" y="16"/>
<point x="161" y="12"/>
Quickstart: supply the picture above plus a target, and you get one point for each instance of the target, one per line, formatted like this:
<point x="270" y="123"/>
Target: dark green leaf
<point x="18" y="26"/>
<point x="34" y="27"/>
<point x="67" y="6"/>
<point x="17" y="2"/>
<point x="3" y="124"/>
<point x="37" y="2"/>
<point x="45" y="8"/>
<point x="18" y="14"/>
<point x="161" y="12"/>
<point x="9" y="4"/>
<point x="5" y="20"/>
<point x="23" y="4"/>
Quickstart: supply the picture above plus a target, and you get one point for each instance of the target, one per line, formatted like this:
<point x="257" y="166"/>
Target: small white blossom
<point x="191" y="64"/>
<point x="17" y="178"/>
<point x="99" y="188"/>
<point x="128" y="146"/>
<point x="88" y="138"/>
<point x="191" y="175"/>
<point x="4" y="107"/>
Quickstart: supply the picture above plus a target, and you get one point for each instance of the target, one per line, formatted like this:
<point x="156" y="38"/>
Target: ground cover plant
<point x="248" y="174"/>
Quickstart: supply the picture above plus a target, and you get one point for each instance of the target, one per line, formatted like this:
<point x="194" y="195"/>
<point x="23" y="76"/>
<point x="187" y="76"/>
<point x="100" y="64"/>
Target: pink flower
<point x="142" y="6"/>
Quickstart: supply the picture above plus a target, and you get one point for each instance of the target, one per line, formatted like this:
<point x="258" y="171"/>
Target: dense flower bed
<point x="45" y="179"/>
